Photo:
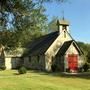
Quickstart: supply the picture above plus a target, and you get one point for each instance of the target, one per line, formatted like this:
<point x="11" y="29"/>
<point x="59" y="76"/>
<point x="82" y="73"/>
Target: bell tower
<point x="63" y="25"/>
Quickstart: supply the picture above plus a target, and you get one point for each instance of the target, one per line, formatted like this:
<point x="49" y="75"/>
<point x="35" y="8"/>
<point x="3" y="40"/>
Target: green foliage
<point x="22" y="70"/>
<point x="88" y="56"/>
<point x="86" y="49"/>
<point x="2" y="67"/>
<point x="53" y="24"/>
<point x="28" y="22"/>
<point x="8" y="38"/>
<point x="86" y="67"/>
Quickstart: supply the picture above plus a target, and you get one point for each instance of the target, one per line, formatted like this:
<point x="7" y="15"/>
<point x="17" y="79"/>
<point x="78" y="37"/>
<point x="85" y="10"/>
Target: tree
<point x="88" y="57"/>
<point x="20" y="8"/>
<point x="26" y="17"/>
<point x="7" y="38"/>
<point x="53" y="24"/>
<point x="85" y="49"/>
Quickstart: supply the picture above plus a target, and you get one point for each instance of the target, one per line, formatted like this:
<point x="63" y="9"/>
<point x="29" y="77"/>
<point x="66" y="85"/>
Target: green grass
<point x="9" y="80"/>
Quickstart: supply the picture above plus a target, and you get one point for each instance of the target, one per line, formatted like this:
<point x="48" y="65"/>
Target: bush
<point x="53" y="67"/>
<point x="80" y="69"/>
<point x="22" y="70"/>
<point x="68" y="70"/>
<point x="86" y="67"/>
<point x="3" y="67"/>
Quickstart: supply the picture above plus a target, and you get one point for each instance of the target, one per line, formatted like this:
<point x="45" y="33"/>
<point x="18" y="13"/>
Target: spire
<point x="63" y="15"/>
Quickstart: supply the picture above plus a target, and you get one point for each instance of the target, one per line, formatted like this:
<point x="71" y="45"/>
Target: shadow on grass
<point x="16" y="73"/>
<point x="84" y="75"/>
<point x="79" y="75"/>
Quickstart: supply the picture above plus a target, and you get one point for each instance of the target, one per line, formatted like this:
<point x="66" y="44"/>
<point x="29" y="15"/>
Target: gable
<point x="69" y="47"/>
<point x="72" y="50"/>
<point x="48" y="44"/>
<point x="56" y="45"/>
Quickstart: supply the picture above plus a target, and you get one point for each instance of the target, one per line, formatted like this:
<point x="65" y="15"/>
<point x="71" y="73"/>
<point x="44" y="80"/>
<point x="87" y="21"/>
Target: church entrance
<point x="73" y="62"/>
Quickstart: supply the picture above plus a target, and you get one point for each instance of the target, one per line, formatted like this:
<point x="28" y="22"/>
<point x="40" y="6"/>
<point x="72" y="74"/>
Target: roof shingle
<point x="40" y="45"/>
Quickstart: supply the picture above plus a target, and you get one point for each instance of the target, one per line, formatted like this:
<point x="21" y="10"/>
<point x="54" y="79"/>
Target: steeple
<point x="63" y="25"/>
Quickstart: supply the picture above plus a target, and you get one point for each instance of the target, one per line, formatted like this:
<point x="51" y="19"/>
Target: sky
<point x="77" y="12"/>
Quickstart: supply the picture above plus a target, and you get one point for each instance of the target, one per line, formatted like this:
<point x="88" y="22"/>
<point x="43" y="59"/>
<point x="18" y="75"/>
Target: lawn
<point x="9" y="80"/>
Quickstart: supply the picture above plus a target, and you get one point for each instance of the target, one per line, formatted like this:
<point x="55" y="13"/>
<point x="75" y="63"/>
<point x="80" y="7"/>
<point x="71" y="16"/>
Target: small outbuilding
<point x="11" y="59"/>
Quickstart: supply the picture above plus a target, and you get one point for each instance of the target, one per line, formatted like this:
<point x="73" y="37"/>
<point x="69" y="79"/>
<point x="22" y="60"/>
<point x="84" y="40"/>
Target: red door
<point x="73" y="62"/>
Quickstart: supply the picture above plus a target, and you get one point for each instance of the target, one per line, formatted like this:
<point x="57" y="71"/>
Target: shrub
<point x="53" y="67"/>
<point x="68" y="70"/>
<point x="86" y="67"/>
<point x="3" y="67"/>
<point x="22" y="70"/>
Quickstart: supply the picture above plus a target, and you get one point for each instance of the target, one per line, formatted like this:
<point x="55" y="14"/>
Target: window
<point x="38" y="57"/>
<point x="29" y="58"/>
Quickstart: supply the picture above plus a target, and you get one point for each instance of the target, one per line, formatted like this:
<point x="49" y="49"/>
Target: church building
<point x="56" y="51"/>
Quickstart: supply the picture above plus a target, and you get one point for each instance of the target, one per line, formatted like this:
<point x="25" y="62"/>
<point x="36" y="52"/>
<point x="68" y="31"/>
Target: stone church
<point x="56" y="51"/>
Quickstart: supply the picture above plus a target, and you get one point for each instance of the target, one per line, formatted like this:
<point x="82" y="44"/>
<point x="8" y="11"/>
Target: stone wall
<point x="54" y="48"/>
<point x="59" y="62"/>
<point x="35" y="62"/>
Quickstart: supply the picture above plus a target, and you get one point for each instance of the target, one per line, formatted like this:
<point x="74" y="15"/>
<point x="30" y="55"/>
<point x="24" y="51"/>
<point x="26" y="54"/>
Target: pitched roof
<point x="63" y="22"/>
<point x="66" y="45"/>
<point x="40" y="45"/>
